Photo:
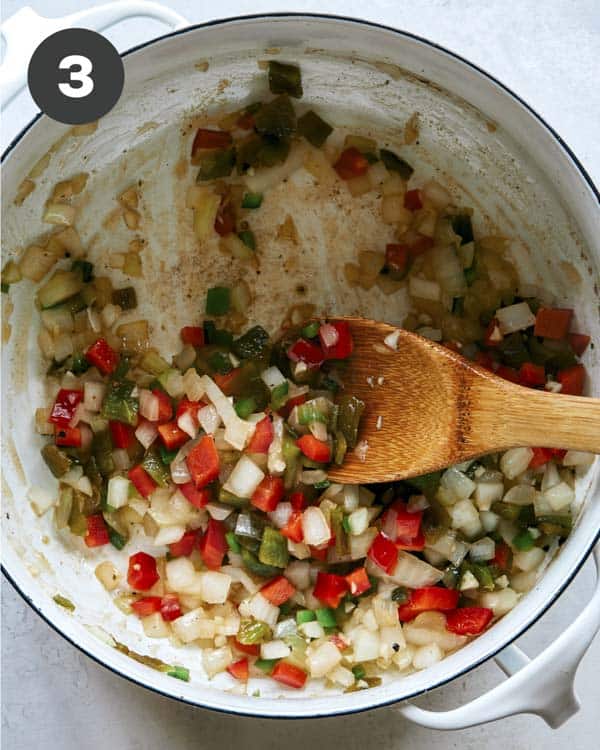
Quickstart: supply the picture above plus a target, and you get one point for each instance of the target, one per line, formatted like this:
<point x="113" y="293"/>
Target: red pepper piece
<point x="198" y="498"/>
<point x="252" y="649"/>
<point x="384" y="553"/>
<point x="351" y="164"/>
<point x="227" y="383"/>
<point x="485" y="360"/>
<point x="102" y="356"/>
<point x="413" y="200"/>
<point x="286" y="409"/>
<point x="278" y="591"/>
<point x="468" y="620"/>
<point x="338" y="642"/>
<point x="67" y="436"/>
<point x="426" y="599"/>
<point x="508" y="373"/>
<point x="97" y="533"/>
<point x="540" y="457"/>
<point x="203" y="462"/>
<point x="358" y="581"/>
<point x="408" y="524"/>
<point x="213" y="544"/>
<point x="170" y="609"/>
<point x="289" y="674"/>
<point x="298" y="500"/>
<point x="262" y="437"/>
<point x="419" y="244"/>
<point x="293" y="528"/>
<point x="165" y="407"/>
<point x="572" y="380"/>
<point x="239" y="670"/>
<point x="306" y="351"/>
<point x="172" y="436"/>
<point x="553" y="322"/>
<point x="503" y="556"/>
<point x="141" y="572"/>
<point x="532" y="375"/>
<point x="493" y="335"/>
<point x="397" y="258"/>
<point x="205" y="139"/>
<point x="268" y="494"/>
<point x="64" y="407"/>
<point x="193" y="335"/>
<point x="185" y="546"/>
<point x="147" y="605"/>
<point x="558" y="453"/>
<point x="416" y="544"/>
<point x="330" y="588"/>
<point x="142" y="481"/>
<point x="314" y="449"/>
<point x="579" y="342"/>
<point x="122" y="434"/>
<point x="342" y="349"/>
<point x="245" y="121"/>
<point x="319" y="553"/>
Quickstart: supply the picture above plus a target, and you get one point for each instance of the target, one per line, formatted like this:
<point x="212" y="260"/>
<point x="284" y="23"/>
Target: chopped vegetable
<point x="285" y="79"/>
<point x="314" y="128"/>
<point x="218" y="300"/>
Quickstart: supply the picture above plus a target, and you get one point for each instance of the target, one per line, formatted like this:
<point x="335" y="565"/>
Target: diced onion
<point x="154" y="626"/>
<point x="118" y="491"/>
<point x="121" y="459"/>
<point x="323" y="659"/>
<point x="483" y="549"/>
<point x="219" y="511"/>
<point x="298" y="573"/>
<point x="436" y="194"/>
<point x="409" y="571"/>
<point x="261" y="609"/>
<point x="146" y="432"/>
<point x="424" y="289"/>
<point x="180" y="573"/>
<point x="487" y="493"/>
<point x="108" y="575"/>
<point x="237" y="431"/>
<point x="457" y="483"/>
<point x="272" y="377"/>
<point x="528" y="560"/>
<point x="209" y="419"/>
<point x="93" y="395"/>
<point x="358" y="521"/>
<point x="578" y="458"/>
<point x="215" y="660"/>
<point x="214" y="588"/>
<point x="427" y="656"/>
<point x="559" y="497"/>
<point x="520" y="494"/>
<point x="466" y="518"/>
<point x="193" y="385"/>
<point x="187" y="423"/>
<point x="169" y="534"/>
<point x="275" y="650"/>
<point x="179" y="472"/>
<point x="281" y="515"/>
<point x="500" y="602"/>
<point x="359" y="545"/>
<point x="312" y="629"/>
<point x="245" y="478"/>
<point x="515" y="318"/>
<point x="149" y="405"/>
<point x="515" y="461"/>
<point x="365" y="645"/>
<point x="314" y="527"/>
<point x="188" y="627"/>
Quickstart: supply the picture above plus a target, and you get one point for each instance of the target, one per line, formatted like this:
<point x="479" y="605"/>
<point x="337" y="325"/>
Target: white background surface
<point x="56" y="698"/>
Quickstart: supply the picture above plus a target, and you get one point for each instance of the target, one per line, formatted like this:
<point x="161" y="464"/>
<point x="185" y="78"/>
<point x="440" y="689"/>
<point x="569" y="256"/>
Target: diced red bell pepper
<point x="142" y="481"/>
<point x="558" y="453"/>
<point x="64" y="407"/>
<point x="213" y="544"/>
<point x="102" y="356"/>
<point x="278" y="591"/>
<point x="225" y="218"/>
<point x="227" y="383"/>
<point x="572" y="380"/>
<point x="358" y="581"/>
<point x="416" y="544"/>
<point x="147" y="605"/>
<point x="419" y="243"/>
<point x="540" y="457"/>
<point x="245" y="121"/>
<point x="351" y="163"/>
<point x="397" y="258"/>
<point x="413" y="200"/>
<point x="69" y="437"/>
<point x="330" y="588"/>
<point x="142" y="573"/>
<point x="485" y="360"/>
<point x="314" y="449"/>
<point x="170" y="609"/>
<point x="579" y="342"/>
<point x="165" y="407"/>
<point x="288" y="674"/>
<point x="426" y="599"/>
<point x="319" y="553"/>
<point x="193" y="335"/>
<point x="408" y="524"/>
<point x="453" y="345"/>
<point x="268" y="494"/>
<point x="342" y="349"/>
<point x="286" y="409"/>
<point x="185" y="546"/>
<point x="532" y="375"/>
<point x="298" y="500"/>
<point x="493" y="335"/>
<point x="293" y="528"/>
<point x="252" y="649"/>
<point x="206" y="139"/>
<point x="503" y="556"/>
<point x="97" y="533"/>
<point x="338" y="642"/>
<point x="172" y="436"/>
<point x="203" y="462"/>
<point x="307" y="352"/>
<point x="384" y="553"/>
<point x="468" y="620"/>
<point x="239" y="669"/>
<point x="508" y="373"/>
<point x="199" y="498"/>
<point x="122" y="434"/>
<point x="262" y="437"/>
<point x="553" y="322"/>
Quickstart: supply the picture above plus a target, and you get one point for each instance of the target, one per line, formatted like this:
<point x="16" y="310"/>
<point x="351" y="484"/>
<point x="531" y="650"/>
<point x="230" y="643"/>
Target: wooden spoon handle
<point x="511" y="415"/>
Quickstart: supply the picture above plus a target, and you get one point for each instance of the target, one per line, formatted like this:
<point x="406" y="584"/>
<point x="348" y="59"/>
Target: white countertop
<point x="56" y="698"/>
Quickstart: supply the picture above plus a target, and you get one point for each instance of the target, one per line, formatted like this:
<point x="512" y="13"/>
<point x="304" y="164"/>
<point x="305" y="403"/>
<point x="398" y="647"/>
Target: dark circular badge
<point x="75" y="76"/>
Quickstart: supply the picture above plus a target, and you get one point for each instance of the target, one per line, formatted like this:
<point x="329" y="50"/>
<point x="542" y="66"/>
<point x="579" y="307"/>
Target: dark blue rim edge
<point x="574" y="572"/>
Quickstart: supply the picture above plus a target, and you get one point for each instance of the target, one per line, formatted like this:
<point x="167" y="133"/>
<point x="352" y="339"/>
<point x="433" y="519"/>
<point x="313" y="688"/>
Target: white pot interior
<point x="493" y="152"/>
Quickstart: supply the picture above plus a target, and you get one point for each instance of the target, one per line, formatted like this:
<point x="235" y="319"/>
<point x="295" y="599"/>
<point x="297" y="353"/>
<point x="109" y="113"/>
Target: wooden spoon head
<point x="418" y="405"/>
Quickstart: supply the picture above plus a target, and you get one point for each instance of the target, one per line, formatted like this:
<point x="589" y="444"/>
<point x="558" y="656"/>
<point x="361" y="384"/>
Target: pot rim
<point x="490" y="653"/>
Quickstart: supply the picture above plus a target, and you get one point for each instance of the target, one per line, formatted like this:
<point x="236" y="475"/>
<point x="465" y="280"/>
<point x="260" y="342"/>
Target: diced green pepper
<point x="337" y="527"/>
<point x="166" y="456"/>
<point x="57" y="461"/>
<point x="61" y="286"/>
<point x="513" y="350"/>
<point x="523" y="540"/>
<point x="276" y="118"/>
<point x="62" y="601"/>
<point x="340" y="448"/>
<point x="126" y="298"/>
<point x="248" y="238"/>
<point x="506" y="510"/>
<point x="395" y="163"/>
<point x="153" y="363"/>
<point x="216" y="164"/>
<point x="305" y="615"/>
<point x="351" y="409"/>
<point x="252" y="200"/>
<point x="119" y="405"/>
<point x="426" y="483"/>
<point x="279" y="395"/>
<point x="359" y="672"/>
<point x="314" y="128"/>
<point x="4" y="287"/>
<point x="102" y="452"/>
<point x="180" y="673"/>
<point x="85" y="268"/>
<point x="152" y="465"/>
<point x="326" y="617"/>
<point x="311" y="330"/>
<point x="310" y="412"/>
<point x="117" y="540"/>
<point x="400" y="595"/>
<point x="245" y="407"/>
<point x="219" y="362"/>
<point x="273" y="549"/>
<point x="79" y="364"/>
<point x="233" y="543"/>
<point x="483" y="574"/>
<point x="251" y="345"/>
<point x="218" y="300"/>
<point x="451" y="577"/>
<point x="253" y="564"/>
<point x="252" y="632"/>
<point x="461" y="225"/>
<point x="266" y="665"/>
<point x="322" y="485"/>
<point x="230" y="499"/>
<point x="285" y="79"/>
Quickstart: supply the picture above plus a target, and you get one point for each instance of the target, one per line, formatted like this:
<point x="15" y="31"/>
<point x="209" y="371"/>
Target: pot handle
<point x="24" y="31"/>
<point x="541" y="686"/>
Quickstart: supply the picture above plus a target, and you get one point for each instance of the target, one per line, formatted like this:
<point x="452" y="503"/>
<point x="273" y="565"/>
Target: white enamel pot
<point x="497" y="155"/>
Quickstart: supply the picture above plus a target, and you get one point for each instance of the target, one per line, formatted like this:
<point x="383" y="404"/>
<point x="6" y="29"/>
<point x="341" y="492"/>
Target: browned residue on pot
<point x="570" y="272"/>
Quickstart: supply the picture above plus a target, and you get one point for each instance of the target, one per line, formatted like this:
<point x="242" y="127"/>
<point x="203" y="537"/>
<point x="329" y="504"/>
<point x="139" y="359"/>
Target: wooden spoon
<point x="427" y="408"/>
